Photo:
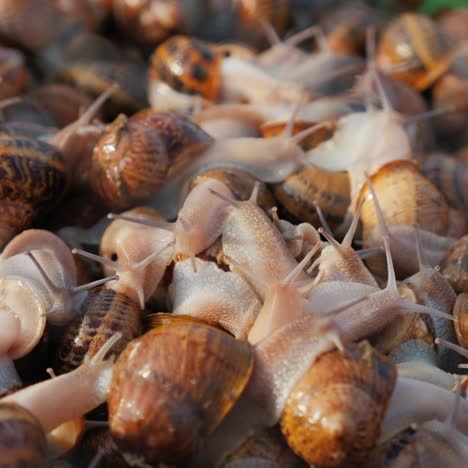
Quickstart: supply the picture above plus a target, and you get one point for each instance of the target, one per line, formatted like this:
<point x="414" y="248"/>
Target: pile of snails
<point x="232" y="234"/>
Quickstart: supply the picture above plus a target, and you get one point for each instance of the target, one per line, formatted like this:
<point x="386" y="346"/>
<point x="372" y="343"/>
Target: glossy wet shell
<point x="104" y="313"/>
<point x="32" y="177"/>
<point x="173" y="386"/>
<point x="240" y="183"/>
<point x="331" y="190"/>
<point x="189" y="66"/>
<point x="22" y="440"/>
<point x="454" y="265"/>
<point x="333" y="414"/>
<point x="414" y="41"/>
<point x="460" y="311"/>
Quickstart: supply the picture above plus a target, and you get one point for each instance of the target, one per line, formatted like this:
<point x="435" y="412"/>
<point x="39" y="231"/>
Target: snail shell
<point x="332" y="416"/>
<point x="454" y="265"/>
<point x="104" y="312"/>
<point x="162" y="403"/>
<point x="450" y="177"/>
<point x="33" y="178"/>
<point x="13" y="72"/>
<point x="134" y="157"/>
<point x="189" y="66"/>
<point x="300" y="191"/>
<point x="415" y="43"/>
<point x="460" y="311"/>
<point x="22" y="440"/>
<point x="240" y="183"/>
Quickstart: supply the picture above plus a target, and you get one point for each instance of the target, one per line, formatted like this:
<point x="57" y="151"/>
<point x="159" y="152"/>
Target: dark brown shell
<point x="460" y="311"/>
<point x="131" y="160"/>
<point x="173" y="386"/>
<point x="454" y="265"/>
<point x="22" y="440"/>
<point x="333" y="414"/>
<point x="32" y="178"/>
<point x="414" y="42"/>
<point x="104" y="313"/>
<point x="240" y="183"/>
<point x="189" y="66"/>
<point x="330" y="190"/>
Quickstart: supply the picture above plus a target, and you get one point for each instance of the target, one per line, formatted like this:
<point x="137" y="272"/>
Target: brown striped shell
<point x="173" y="386"/>
<point x="131" y="160"/>
<point x="414" y="50"/>
<point x="240" y="183"/>
<point x="32" y="178"/>
<point x="454" y="265"/>
<point x="188" y="65"/>
<point x="104" y="313"/>
<point x="330" y="190"/>
<point x="450" y="177"/>
<point x="22" y="440"/>
<point x="460" y="311"/>
<point x="333" y="414"/>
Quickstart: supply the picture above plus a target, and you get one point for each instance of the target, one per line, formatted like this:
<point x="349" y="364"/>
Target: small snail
<point x="103" y="313"/>
<point x="333" y="414"/>
<point x="414" y="50"/>
<point x="14" y="73"/>
<point x="454" y="264"/>
<point x="169" y="417"/>
<point x="145" y="148"/>
<point x="193" y="67"/>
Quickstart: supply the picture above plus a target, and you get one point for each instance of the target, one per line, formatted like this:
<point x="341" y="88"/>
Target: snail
<point x="217" y="297"/>
<point x="192" y="67"/>
<point x="104" y="312"/>
<point x="74" y="393"/>
<point x="451" y="23"/>
<point x="426" y="52"/>
<point x="204" y="351"/>
<point x="449" y="176"/>
<point x="333" y="414"/>
<point x="426" y="209"/>
<point x="22" y="440"/>
<point x="141" y="264"/>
